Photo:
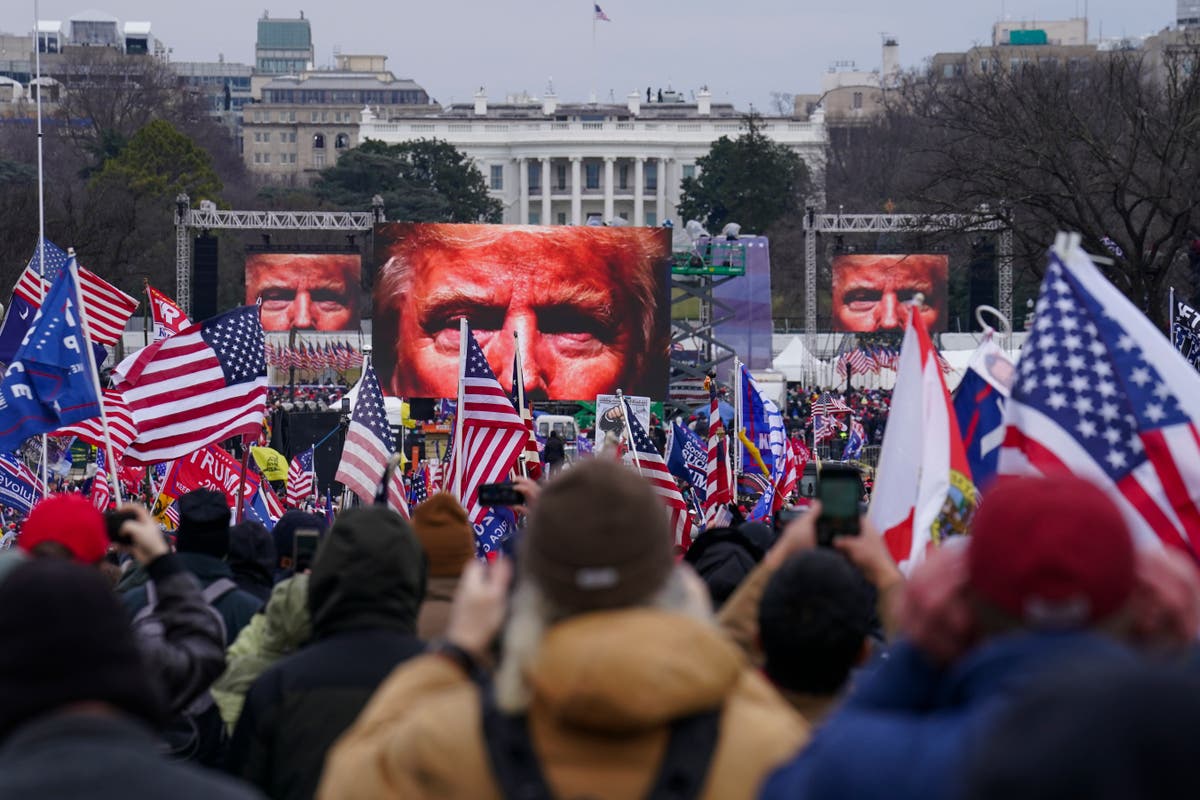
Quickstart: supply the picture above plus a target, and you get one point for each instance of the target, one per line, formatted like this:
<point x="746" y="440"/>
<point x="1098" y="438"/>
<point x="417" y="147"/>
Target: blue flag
<point x="257" y="510"/>
<point x="499" y="524"/>
<point x="687" y="459"/>
<point x="979" y="406"/>
<point x="21" y="310"/>
<point x="18" y="485"/>
<point x="49" y="383"/>
<point x="764" y="427"/>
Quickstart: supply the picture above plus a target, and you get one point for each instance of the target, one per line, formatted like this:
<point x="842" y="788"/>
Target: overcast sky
<point x="742" y="49"/>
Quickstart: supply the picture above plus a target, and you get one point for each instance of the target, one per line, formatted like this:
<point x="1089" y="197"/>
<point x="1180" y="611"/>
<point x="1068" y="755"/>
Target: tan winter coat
<point x="606" y="686"/>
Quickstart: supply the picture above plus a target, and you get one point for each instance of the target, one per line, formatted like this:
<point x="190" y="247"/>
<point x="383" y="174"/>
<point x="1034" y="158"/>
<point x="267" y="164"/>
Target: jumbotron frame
<point x="208" y="217"/>
<point x="815" y="223"/>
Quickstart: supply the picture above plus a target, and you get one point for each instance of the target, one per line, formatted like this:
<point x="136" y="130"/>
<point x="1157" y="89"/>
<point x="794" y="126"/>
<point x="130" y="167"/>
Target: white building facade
<point x="552" y="164"/>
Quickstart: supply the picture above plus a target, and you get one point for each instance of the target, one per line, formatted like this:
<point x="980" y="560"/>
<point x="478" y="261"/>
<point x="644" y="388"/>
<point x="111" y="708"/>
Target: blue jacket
<point x="906" y="730"/>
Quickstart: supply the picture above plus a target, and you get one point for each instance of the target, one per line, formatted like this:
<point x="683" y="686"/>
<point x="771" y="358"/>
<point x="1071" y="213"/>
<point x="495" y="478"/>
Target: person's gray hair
<point x="532" y="615"/>
<point x="635" y="253"/>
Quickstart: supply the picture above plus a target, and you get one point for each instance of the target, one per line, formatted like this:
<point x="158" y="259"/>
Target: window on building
<point x="319" y="160"/>
<point x="341" y="141"/>
<point x="561" y="178"/>
<point x="592" y="178"/>
<point x="689" y="171"/>
<point x="266" y="158"/>
<point x="497" y="175"/>
<point x="258" y="158"/>
<point x="535" y="177"/>
<point x="258" y="136"/>
<point x="623" y="176"/>
<point x="318" y="141"/>
<point x="266" y="136"/>
<point x="312" y="116"/>
<point x="856" y="101"/>
<point x="651" y="218"/>
<point x="535" y="217"/>
<point x="562" y="218"/>
<point x="624" y="215"/>
<point x="651" y="176"/>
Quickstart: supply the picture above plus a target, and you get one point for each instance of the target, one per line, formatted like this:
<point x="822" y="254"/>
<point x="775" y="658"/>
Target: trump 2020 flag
<point x="49" y="383"/>
<point x="979" y="407"/>
<point x="923" y="489"/>
<point x="1100" y="392"/>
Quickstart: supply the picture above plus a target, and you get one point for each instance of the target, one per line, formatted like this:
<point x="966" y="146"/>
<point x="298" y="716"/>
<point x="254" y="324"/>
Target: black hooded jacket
<point x="367" y="583"/>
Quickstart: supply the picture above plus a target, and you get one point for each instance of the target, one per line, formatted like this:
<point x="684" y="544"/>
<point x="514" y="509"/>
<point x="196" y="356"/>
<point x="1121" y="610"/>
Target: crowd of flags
<point x="1098" y="391"/>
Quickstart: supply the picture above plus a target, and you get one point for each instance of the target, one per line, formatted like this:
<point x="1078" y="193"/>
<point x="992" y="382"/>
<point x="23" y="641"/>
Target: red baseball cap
<point x="1053" y="551"/>
<point x="72" y="521"/>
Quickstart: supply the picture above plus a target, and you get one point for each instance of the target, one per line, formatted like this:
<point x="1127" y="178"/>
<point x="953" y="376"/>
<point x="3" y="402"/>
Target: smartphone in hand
<point x="500" y="494"/>
<point x="840" y="491"/>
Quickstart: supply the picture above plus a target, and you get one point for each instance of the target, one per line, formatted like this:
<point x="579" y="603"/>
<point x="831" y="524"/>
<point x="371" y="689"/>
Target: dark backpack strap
<point x="510" y="750"/>
<point x="690" y="750"/>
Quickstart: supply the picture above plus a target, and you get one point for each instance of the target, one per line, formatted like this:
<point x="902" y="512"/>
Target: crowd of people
<point x="868" y="406"/>
<point x="1044" y="655"/>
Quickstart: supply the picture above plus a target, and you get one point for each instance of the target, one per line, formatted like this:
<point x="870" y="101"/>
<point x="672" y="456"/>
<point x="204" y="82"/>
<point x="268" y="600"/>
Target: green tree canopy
<point x="750" y="180"/>
<point x="160" y="162"/>
<point x="425" y="180"/>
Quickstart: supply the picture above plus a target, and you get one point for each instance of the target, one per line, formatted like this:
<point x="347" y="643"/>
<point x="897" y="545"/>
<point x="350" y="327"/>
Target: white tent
<point x="796" y="362"/>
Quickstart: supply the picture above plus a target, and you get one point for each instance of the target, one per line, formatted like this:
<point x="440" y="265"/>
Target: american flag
<point x="368" y="448"/>
<point x="650" y="463"/>
<point x="420" y="488"/>
<point x="20" y="487"/>
<point x="121" y="426"/>
<point x="101" y="491"/>
<point x="828" y="404"/>
<point x="300" y="479"/>
<point x="204" y="384"/>
<point x="718" y="492"/>
<point x="825" y="426"/>
<point x="106" y="307"/>
<point x="493" y="433"/>
<point x="530" y="457"/>
<point x="1101" y="393"/>
<point x="598" y="15"/>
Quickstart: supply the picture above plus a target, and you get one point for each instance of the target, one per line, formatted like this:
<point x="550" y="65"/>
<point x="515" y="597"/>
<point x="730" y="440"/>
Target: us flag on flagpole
<point x="1101" y="393"/>
<point x="101" y="491"/>
<point x="718" y="492"/>
<point x="121" y="426"/>
<point x="106" y="307"/>
<point x="598" y="15"/>
<point x="369" y="445"/>
<point x="300" y="479"/>
<point x="204" y="384"/>
<point x="493" y="433"/>
<point x="650" y="463"/>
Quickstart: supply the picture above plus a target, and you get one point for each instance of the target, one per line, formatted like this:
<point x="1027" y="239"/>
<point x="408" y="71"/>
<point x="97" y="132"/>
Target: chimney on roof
<point x="634" y="101"/>
<point x="481" y="103"/>
<point x="704" y="102"/>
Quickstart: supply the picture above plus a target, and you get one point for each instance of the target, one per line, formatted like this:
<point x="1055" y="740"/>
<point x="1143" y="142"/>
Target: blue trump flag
<point x="21" y="310"/>
<point x="49" y="383"/>
<point x="979" y="406"/>
<point x="687" y="459"/>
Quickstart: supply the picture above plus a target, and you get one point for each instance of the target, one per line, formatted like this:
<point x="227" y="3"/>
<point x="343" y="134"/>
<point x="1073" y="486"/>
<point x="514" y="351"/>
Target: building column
<point x="639" y="199"/>
<point x="609" y="161"/>
<point x="661" y="194"/>
<point x="546" y="219"/>
<point x="576" y="190"/>
<point x="523" y="182"/>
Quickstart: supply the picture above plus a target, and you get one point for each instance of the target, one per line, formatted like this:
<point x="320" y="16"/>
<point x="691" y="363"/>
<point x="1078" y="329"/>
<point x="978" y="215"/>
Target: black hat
<point x="67" y="641"/>
<point x="203" y="523"/>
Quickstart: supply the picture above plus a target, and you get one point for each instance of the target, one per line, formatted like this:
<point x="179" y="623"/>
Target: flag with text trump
<point x="204" y="384"/>
<point x="493" y="433"/>
<point x="923" y="489"/>
<point x="168" y="317"/>
<point x="650" y="463"/>
<point x="1100" y="392"/>
<point x="368" y="448"/>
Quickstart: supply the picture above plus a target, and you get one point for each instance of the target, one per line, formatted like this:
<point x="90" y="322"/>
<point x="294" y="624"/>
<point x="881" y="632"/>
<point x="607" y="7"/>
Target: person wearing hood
<point x="252" y="558"/>
<point x="367" y="582"/>
<point x="613" y="681"/>
<point x="284" y="535"/>
<point x="449" y="543"/>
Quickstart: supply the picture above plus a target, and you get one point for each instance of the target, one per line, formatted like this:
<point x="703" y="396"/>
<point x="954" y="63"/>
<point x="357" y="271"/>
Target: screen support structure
<point x="209" y="217"/>
<point x="816" y="223"/>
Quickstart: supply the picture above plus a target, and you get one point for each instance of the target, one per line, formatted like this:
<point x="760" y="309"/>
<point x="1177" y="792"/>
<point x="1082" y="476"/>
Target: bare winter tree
<point x="1106" y="147"/>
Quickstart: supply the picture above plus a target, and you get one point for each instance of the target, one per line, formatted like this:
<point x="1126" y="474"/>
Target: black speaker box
<point x="204" y="277"/>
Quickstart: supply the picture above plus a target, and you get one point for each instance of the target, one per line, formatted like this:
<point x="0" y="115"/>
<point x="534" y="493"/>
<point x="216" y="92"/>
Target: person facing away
<point x="366" y="585"/>
<point x="1048" y="578"/>
<point x="78" y="707"/>
<point x="554" y="453"/>
<point x="448" y="540"/>
<point x="613" y="680"/>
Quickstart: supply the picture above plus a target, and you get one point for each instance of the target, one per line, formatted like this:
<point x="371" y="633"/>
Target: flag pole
<point x="463" y="331"/>
<point x="113" y="467"/>
<point x="519" y="389"/>
<point x="738" y="414"/>
<point x="37" y="55"/>
<point x="1171" y="317"/>
<point x="628" y="412"/>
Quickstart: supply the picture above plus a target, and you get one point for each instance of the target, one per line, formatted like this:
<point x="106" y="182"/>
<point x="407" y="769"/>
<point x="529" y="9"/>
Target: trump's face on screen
<point x="305" y="291"/>
<point x="871" y="290"/>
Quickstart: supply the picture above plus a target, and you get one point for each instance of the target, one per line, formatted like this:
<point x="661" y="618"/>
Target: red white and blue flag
<point x="493" y="433"/>
<point x="1101" y="393"/>
<point x="121" y="426"/>
<point x="300" y="481"/>
<point x="101" y="491"/>
<point x="598" y="15"/>
<point x="368" y="448"/>
<point x="106" y="307"/>
<point x="718" y="484"/>
<point x="652" y="467"/>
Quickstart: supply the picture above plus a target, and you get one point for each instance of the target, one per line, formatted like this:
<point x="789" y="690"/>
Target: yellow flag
<point x="271" y="463"/>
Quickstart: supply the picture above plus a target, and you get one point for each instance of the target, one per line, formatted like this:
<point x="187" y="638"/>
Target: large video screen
<point x="306" y="291"/>
<point x="590" y="307"/>
<point x="868" y="290"/>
